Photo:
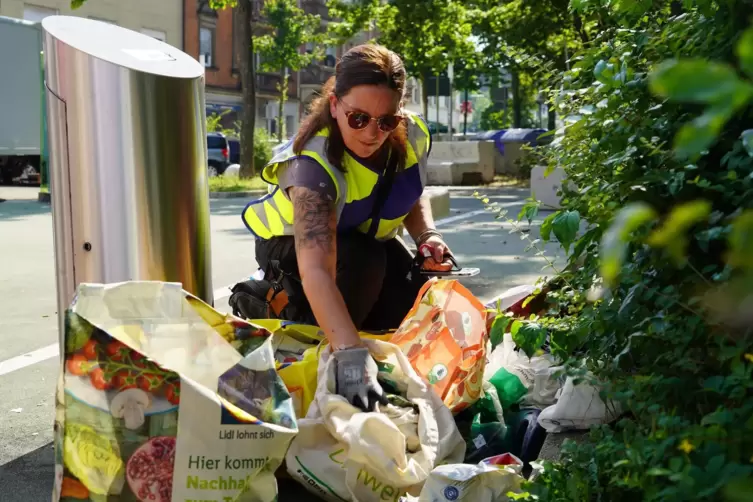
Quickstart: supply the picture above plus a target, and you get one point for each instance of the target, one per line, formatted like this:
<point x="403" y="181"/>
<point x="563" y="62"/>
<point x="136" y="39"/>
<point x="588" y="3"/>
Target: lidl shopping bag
<point x="156" y="403"/>
<point x="444" y="336"/>
<point x="342" y="453"/>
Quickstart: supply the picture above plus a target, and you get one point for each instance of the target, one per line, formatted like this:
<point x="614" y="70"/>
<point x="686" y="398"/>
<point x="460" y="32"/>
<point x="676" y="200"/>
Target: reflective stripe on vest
<point x="272" y="215"/>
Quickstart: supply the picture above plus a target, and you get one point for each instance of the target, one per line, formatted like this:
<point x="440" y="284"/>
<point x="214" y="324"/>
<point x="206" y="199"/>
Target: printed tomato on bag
<point x="444" y="337"/>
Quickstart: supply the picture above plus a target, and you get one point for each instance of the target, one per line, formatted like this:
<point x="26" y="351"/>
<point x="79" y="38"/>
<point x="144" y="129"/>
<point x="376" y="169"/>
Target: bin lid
<point x="522" y="136"/>
<point x="490" y="135"/>
<point x="123" y="47"/>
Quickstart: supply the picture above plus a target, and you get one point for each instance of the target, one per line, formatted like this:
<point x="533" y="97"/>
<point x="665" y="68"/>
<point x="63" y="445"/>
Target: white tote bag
<point x="342" y="453"/>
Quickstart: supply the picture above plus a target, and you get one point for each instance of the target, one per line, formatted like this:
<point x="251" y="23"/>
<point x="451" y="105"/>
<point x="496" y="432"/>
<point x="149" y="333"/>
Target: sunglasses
<point x="359" y="120"/>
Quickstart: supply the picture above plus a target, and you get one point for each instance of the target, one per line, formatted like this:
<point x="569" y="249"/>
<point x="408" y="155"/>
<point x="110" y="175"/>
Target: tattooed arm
<point x="314" y="227"/>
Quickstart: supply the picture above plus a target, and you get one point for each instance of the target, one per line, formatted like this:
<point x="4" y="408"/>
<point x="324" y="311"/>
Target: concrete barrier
<point x="440" y="202"/>
<point x="544" y="188"/>
<point x="461" y="163"/>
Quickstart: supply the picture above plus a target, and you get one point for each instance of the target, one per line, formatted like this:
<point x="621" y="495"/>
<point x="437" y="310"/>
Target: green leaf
<point x="745" y="51"/>
<point x="578" y="5"/>
<point x="740" y="240"/>
<point x="671" y="235"/>
<point x="565" y="227"/>
<point x="739" y="490"/>
<point x="546" y="227"/>
<point x="75" y="4"/>
<point x="498" y="329"/>
<point x="615" y="240"/>
<point x="747" y="139"/>
<point x="529" y="336"/>
<point x="695" y="137"/>
<point x="694" y="80"/>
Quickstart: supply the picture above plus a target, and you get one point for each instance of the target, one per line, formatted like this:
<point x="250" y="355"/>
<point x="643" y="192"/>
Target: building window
<point x="206" y="42"/>
<point x="36" y="14"/>
<point x="330" y="56"/>
<point x="159" y="35"/>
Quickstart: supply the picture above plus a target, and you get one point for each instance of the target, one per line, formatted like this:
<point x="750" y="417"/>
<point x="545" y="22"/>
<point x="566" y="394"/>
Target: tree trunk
<point x="517" y="105"/>
<point x="248" y="86"/>
<point x="551" y="123"/>
<point x="281" y="112"/>
<point x="425" y="97"/>
<point x="465" y="113"/>
<point x="437" y="101"/>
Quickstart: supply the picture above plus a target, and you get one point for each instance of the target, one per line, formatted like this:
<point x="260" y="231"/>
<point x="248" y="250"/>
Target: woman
<point x="340" y="190"/>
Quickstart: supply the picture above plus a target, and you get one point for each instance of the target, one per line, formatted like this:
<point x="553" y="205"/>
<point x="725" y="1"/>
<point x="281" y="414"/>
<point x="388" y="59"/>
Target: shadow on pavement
<point x="19" y="209"/>
<point x="28" y="478"/>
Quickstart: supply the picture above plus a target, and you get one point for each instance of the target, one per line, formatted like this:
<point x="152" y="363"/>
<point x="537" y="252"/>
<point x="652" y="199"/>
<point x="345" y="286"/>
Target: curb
<point x="440" y="198"/>
<point x="236" y="195"/>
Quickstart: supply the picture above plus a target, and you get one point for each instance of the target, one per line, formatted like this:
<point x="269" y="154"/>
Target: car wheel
<point x="212" y="171"/>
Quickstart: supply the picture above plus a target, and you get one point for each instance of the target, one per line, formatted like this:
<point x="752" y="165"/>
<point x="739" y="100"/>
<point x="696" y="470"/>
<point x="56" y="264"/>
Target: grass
<point x="44" y="189"/>
<point x="506" y="180"/>
<point x="235" y="184"/>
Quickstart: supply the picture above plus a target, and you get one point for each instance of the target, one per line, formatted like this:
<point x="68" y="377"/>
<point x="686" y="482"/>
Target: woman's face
<point x="376" y="102"/>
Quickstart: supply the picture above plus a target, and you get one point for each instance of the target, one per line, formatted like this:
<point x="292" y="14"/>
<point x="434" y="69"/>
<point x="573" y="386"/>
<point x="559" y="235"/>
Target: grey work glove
<point x="356" y="374"/>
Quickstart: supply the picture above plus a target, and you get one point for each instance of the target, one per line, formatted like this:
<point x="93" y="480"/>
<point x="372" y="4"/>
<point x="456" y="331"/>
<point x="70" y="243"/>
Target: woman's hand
<point x="439" y="260"/>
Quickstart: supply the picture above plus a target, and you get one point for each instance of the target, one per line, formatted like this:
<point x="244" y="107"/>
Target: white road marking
<point x="223" y="292"/>
<point x="24" y="360"/>
<point x="50" y="351"/>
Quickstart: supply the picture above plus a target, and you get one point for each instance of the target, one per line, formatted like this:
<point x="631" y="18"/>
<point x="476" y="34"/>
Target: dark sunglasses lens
<point x="358" y="120"/>
<point x="389" y="123"/>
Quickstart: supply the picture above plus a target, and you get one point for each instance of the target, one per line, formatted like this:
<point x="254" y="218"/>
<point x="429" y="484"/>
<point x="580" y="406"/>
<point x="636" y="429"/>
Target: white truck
<point x="22" y="116"/>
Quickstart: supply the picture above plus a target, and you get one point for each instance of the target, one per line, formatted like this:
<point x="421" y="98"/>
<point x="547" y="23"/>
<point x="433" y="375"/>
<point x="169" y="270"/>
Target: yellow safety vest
<point x="272" y="215"/>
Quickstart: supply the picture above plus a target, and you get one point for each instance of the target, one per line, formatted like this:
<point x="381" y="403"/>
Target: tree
<point x="427" y="34"/>
<point x="243" y="37"/>
<point x="536" y="38"/>
<point x="292" y="28"/>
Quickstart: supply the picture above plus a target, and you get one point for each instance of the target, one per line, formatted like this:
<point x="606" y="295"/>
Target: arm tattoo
<point x="312" y="221"/>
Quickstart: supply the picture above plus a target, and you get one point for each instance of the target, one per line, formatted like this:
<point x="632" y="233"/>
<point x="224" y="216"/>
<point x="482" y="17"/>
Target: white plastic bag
<point x="488" y="481"/>
<point x="578" y="408"/>
<point x="342" y="453"/>
<point x="520" y="379"/>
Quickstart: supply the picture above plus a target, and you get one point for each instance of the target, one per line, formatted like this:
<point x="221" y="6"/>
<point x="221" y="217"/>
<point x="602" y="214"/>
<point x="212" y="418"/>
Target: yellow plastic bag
<point x="298" y="370"/>
<point x="444" y="337"/>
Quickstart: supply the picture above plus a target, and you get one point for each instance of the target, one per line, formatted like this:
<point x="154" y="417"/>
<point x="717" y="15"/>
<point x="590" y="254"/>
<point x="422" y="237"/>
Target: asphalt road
<point x="28" y="307"/>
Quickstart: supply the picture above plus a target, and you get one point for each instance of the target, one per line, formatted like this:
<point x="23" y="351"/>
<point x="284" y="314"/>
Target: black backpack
<point x="258" y="299"/>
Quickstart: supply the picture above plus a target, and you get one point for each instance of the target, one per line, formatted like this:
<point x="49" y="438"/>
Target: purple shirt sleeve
<point x="308" y="173"/>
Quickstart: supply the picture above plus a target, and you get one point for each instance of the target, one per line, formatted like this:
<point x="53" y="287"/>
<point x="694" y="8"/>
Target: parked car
<point x="218" y="153"/>
<point x="435" y="128"/>
<point x="235" y="150"/>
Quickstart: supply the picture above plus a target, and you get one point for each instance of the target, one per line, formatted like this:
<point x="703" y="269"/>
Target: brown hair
<point x="367" y="64"/>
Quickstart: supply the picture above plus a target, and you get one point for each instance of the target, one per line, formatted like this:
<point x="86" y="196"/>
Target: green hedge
<point x="655" y="303"/>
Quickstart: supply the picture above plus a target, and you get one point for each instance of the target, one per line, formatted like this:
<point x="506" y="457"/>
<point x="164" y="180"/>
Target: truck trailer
<point x="22" y="111"/>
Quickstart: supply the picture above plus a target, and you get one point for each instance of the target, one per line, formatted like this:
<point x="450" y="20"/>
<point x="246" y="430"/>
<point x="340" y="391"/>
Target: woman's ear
<point x="333" y="106"/>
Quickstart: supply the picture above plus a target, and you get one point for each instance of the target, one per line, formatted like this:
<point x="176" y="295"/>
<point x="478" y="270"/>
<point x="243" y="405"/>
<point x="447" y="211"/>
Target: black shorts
<point x="373" y="276"/>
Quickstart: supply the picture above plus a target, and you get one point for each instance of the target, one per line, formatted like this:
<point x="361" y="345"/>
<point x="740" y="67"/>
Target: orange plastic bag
<point x="444" y="337"/>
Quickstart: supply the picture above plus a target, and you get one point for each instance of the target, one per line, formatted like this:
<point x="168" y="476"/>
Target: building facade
<point x="161" y="19"/>
<point x="209" y="36"/>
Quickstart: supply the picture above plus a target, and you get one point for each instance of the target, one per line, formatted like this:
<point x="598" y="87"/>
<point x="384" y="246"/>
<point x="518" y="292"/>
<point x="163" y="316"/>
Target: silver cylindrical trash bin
<point x="128" y="159"/>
